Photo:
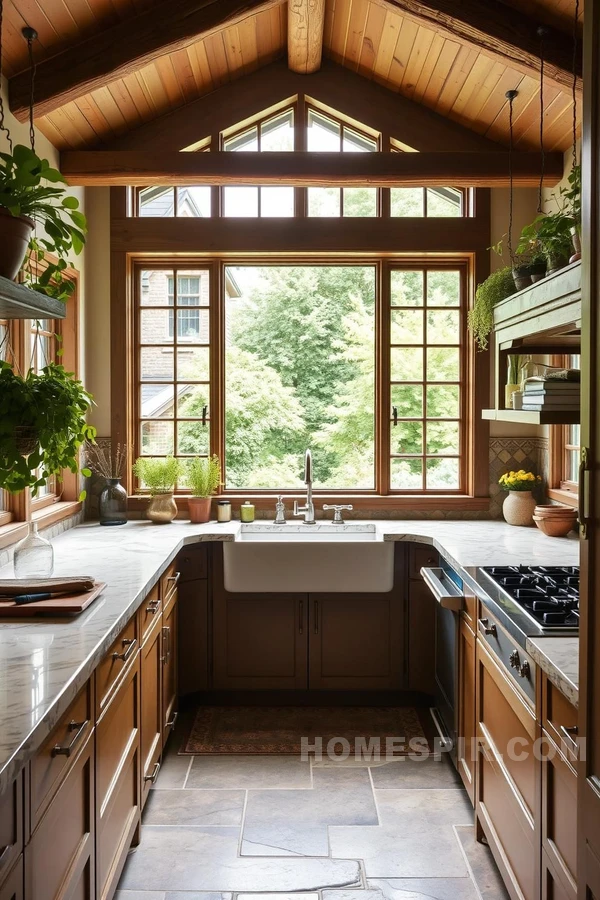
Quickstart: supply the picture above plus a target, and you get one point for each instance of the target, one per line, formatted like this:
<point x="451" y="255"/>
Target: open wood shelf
<point x="19" y="302"/>
<point x="528" y="417"/>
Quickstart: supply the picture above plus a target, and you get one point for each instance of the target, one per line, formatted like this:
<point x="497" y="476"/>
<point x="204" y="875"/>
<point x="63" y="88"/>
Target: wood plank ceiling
<point x="370" y="37"/>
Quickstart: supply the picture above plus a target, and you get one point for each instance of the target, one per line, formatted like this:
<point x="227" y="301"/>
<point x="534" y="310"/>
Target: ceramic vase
<point x="518" y="508"/>
<point x="162" y="509"/>
<point x="199" y="509"/>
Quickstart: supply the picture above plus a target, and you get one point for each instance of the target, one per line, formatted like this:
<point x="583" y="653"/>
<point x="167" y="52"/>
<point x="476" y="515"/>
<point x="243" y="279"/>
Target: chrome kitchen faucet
<point x="308" y="510"/>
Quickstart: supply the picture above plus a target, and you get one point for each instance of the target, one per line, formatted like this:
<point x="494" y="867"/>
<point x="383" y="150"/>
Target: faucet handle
<point x="337" y="511"/>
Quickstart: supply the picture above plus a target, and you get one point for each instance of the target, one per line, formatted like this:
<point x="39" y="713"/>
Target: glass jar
<point x="223" y="511"/>
<point x="112" y="504"/>
<point x="247" y="512"/>
<point x="34" y="556"/>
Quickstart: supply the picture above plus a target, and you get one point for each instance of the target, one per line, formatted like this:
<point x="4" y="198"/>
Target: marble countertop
<point x="43" y="664"/>
<point x="558" y="657"/>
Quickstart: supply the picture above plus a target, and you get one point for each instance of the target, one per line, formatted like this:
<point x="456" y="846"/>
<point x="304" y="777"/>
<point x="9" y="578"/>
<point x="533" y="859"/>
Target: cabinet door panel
<point x="192" y="636"/>
<point x="466" y="709"/>
<point x="355" y="641"/>
<point x="60" y="854"/>
<point x="151" y="666"/>
<point x="13" y="885"/>
<point x="169" y="673"/>
<point x="11" y="826"/>
<point x="552" y="889"/>
<point x="260" y="641"/>
<point x="421" y="643"/>
<point x="559" y="815"/>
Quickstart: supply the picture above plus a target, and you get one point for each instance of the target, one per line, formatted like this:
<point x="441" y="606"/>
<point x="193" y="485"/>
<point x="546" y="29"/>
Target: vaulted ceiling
<point x="452" y="72"/>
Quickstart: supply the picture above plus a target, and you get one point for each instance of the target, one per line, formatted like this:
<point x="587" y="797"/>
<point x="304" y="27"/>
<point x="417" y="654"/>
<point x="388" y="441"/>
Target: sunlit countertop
<point x="44" y="663"/>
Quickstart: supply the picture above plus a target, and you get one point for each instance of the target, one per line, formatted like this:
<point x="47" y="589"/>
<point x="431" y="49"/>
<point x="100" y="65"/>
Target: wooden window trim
<point x="473" y="493"/>
<point x="560" y="489"/>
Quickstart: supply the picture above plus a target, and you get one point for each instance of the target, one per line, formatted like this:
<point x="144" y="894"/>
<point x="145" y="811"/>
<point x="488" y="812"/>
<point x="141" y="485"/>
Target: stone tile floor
<point x="277" y="828"/>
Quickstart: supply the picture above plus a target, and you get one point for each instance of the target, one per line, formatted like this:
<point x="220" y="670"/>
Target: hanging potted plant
<point x="203" y="474"/>
<point x="30" y="196"/>
<point x="42" y="426"/>
<point x="496" y="287"/>
<point x="159" y="476"/>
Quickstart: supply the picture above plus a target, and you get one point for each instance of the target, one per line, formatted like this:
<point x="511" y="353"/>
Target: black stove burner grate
<point x="550" y="594"/>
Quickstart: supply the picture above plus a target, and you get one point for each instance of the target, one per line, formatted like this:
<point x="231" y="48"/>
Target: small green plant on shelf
<point x="42" y="426"/>
<point x="496" y="287"/>
<point x="203" y="474"/>
<point x="31" y="194"/>
<point x="552" y="233"/>
<point x="157" y="476"/>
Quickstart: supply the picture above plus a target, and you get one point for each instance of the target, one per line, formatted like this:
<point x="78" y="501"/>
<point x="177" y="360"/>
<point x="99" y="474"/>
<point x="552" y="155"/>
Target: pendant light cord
<point x="574" y="86"/>
<point x="510" y="96"/>
<point x="542" y="31"/>
<point x="3" y="126"/>
<point x="30" y="35"/>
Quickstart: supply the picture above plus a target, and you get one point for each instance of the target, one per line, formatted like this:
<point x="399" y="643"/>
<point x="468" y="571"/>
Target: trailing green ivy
<point x="51" y="406"/>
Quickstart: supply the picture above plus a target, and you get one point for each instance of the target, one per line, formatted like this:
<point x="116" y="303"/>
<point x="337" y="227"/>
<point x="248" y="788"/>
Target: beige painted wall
<point x="97" y="319"/>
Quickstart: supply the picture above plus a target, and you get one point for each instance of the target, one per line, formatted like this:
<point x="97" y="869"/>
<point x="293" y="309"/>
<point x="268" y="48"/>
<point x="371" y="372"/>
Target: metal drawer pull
<point x="524" y="670"/>
<point x="166" y="633"/>
<point x="446" y="593"/>
<point x="152" y="778"/>
<point x="174" y="578"/>
<point x="570" y="732"/>
<point x="131" y="644"/>
<point x="5" y="854"/>
<point x="153" y="607"/>
<point x="79" y="729"/>
<point x="488" y="628"/>
<point x="171" y="725"/>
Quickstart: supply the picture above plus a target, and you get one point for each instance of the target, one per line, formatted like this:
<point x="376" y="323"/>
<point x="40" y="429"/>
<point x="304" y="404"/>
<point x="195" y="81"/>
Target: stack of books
<point x="551" y="395"/>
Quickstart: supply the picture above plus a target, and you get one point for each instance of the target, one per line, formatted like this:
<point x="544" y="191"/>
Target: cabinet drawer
<point x="59" y="858"/>
<point x="509" y="831"/>
<point x="168" y="583"/>
<point x="150" y="611"/>
<point x="559" y="719"/>
<point x="11" y="826"/>
<point x="420" y="555"/>
<point x="192" y="563"/>
<point x="552" y="888"/>
<point x="12" y="888"/>
<point x="114" y="665"/>
<point x="117" y="779"/>
<point x="559" y="816"/>
<point x="506" y="721"/>
<point x="58" y="752"/>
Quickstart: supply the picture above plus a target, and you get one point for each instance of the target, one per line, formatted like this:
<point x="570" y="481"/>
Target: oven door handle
<point x="445" y="592"/>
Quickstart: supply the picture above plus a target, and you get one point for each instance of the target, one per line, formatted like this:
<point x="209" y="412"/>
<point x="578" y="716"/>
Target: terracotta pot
<point x="555" y="527"/>
<point x="162" y="509"/>
<point x="199" y="509"/>
<point x="15" y="232"/>
<point x="518" y="508"/>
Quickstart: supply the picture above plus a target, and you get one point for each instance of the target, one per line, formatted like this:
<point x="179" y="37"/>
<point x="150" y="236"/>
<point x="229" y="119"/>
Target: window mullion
<point x="383" y="404"/>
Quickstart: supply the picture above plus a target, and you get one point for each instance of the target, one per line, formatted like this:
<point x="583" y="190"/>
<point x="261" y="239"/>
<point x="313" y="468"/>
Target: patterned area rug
<point x="279" y="729"/>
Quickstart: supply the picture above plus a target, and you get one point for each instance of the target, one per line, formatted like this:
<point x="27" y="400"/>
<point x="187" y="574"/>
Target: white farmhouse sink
<point x="320" y="558"/>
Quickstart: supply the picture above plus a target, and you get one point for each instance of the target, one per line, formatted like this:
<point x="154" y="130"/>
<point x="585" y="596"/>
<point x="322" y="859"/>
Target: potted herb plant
<point x="159" y="477"/>
<point x="203" y="474"/>
<point x="519" y="505"/>
<point x="552" y="233"/>
<point x="30" y="194"/>
<point x="42" y="426"/>
<point x="496" y="287"/>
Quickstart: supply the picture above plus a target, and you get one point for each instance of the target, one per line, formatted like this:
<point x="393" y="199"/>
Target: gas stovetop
<point x="543" y="599"/>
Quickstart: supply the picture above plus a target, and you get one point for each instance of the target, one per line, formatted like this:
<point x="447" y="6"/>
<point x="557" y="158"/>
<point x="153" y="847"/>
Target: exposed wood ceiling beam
<point x="122" y="49"/>
<point x="306" y="21"/>
<point x="142" y="167"/>
<point x="499" y="30"/>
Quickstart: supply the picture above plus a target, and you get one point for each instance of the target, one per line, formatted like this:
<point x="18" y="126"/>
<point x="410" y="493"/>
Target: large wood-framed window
<point x="364" y="360"/>
<point x="33" y="344"/>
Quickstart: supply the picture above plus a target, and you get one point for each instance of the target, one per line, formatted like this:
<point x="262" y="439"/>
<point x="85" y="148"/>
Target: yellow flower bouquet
<point x="519" y="481"/>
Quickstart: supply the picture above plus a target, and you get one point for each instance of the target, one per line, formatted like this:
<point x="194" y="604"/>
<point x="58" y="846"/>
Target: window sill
<point x="569" y="498"/>
<point x="418" y="503"/>
<point x="11" y="533"/>
<point x="50" y="515"/>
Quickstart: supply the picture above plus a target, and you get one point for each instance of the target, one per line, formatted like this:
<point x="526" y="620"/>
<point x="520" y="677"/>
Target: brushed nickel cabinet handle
<point x="174" y="579"/>
<point x="152" y="778"/>
<point x="166" y="633"/>
<point x="570" y="732"/>
<point x="79" y="729"/>
<point x="153" y="607"/>
<point x="301" y="617"/>
<point x="171" y="724"/>
<point x="316" y="610"/>
<point x="130" y="644"/>
<point x="487" y="627"/>
<point x="583" y="493"/>
<point x="5" y="854"/>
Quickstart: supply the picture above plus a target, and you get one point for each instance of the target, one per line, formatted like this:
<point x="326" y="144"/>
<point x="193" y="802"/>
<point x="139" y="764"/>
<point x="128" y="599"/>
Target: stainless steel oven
<point x="447" y="588"/>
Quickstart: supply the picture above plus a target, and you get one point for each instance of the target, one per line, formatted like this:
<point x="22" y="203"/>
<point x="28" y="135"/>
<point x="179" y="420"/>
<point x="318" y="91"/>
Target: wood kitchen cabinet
<point x="421" y="618"/>
<point x="169" y="660"/>
<point x="11" y="827"/>
<point x="507" y="787"/>
<point x="193" y="620"/>
<point x="355" y="641"/>
<point x="12" y="885"/>
<point x="465" y="756"/>
<point x="151" y="707"/>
